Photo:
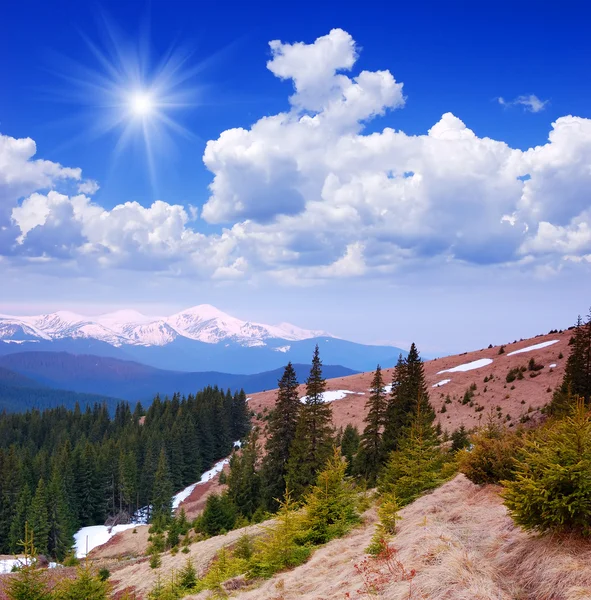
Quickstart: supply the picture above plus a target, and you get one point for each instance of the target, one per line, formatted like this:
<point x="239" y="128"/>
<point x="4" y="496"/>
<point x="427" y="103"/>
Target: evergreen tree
<point x="29" y="583"/>
<point x="312" y="445"/>
<point x="281" y="432"/>
<point x="39" y="519"/>
<point x="370" y="456"/>
<point x="330" y="504"/>
<point x="19" y="523"/>
<point x="240" y="423"/>
<point x="551" y="490"/>
<point x="417" y="464"/>
<point x="459" y="439"/>
<point x="162" y="492"/>
<point x="244" y="480"/>
<point x="219" y="515"/>
<point x="60" y="521"/>
<point x="576" y="382"/>
<point x="409" y="391"/>
<point x="350" y="446"/>
<point x="87" y="585"/>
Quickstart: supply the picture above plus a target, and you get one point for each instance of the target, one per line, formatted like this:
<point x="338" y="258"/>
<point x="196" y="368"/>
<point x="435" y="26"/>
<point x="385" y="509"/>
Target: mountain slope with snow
<point x="203" y="323"/>
<point x="202" y="338"/>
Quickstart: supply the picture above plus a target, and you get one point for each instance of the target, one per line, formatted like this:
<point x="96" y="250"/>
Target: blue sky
<point x="333" y="206"/>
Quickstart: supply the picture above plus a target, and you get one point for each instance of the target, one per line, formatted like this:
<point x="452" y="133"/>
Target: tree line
<point x="64" y="469"/>
<point x="300" y="440"/>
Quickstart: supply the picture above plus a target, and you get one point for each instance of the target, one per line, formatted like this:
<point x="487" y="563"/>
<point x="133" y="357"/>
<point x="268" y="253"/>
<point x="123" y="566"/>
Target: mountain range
<point x="106" y="377"/>
<point x="202" y="338"/>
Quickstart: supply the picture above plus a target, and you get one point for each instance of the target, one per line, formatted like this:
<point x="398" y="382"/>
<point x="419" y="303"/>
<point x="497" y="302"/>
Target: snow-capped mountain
<point x="202" y="323"/>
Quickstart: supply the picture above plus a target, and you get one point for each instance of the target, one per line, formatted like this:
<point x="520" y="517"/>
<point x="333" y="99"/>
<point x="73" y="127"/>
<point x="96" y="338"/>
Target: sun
<point x="142" y="104"/>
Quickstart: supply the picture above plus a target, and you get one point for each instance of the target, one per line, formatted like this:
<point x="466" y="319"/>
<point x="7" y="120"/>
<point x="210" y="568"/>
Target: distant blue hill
<point x="133" y="381"/>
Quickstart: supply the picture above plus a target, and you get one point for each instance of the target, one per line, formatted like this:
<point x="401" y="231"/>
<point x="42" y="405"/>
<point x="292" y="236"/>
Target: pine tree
<point x="551" y="490"/>
<point x="281" y="433"/>
<point x="87" y="585"/>
<point x="39" y="519"/>
<point x="350" y="446"/>
<point x="330" y="504"/>
<point x="60" y="520"/>
<point x="162" y="492"/>
<point x="417" y="464"/>
<point x="17" y="527"/>
<point x="370" y="456"/>
<point x="312" y="445"/>
<point x="28" y="583"/>
<point x="459" y="439"/>
<point x="576" y="382"/>
<point x="244" y="480"/>
<point x="240" y="423"/>
<point x="409" y="390"/>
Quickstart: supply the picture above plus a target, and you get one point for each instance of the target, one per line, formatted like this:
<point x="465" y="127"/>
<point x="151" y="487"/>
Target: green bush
<point x="551" y="490"/>
<point x="491" y="458"/>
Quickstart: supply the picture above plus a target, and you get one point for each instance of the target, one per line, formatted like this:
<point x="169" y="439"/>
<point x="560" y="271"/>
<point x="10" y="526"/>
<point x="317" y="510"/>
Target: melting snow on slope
<point x="442" y="382"/>
<point x="6" y="564"/>
<point x="207" y="476"/>
<point x="97" y="535"/>
<point x="475" y="364"/>
<point x="534" y="347"/>
<point x="333" y="395"/>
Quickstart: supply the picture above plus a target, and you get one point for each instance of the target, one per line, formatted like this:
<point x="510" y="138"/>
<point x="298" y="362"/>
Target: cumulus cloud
<point x="530" y="102"/>
<point x="307" y="195"/>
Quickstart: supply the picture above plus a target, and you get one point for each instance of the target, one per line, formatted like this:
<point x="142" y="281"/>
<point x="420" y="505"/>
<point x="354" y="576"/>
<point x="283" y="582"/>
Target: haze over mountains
<point x="201" y="338"/>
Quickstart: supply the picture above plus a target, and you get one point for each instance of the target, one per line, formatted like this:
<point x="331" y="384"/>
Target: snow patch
<point x="442" y="382"/>
<point x="475" y="364"/>
<point x="6" y="564"/>
<point x="534" y="347"/>
<point x="282" y="349"/>
<point x="19" y="341"/>
<point x="333" y="395"/>
<point x="88" y="538"/>
<point x="552" y="366"/>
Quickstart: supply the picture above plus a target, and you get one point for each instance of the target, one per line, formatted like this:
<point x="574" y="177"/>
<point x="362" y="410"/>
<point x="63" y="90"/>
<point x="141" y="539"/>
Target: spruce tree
<point x="281" y="432"/>
<point x="551" y="490"/>
<point x="39" y="519"/>
<point x="244" y="480"/>
<point x="409" y="391"/>
<point x="370" y="456"/>
<point x="162" y="492"/>
<point x="350" y="446"/>
<point x="87" y="585"/>
<point x="576" y="382"/>
<point x="330" y="504"/>
<point x="29" y="583"/>
<point x="60" y="520"/>
<point x="417" y="464"/>
<point x="17" y="527"/>
<point x="312" y="445"/>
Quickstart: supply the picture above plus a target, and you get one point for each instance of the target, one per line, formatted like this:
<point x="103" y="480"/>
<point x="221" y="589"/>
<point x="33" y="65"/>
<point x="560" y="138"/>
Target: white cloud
<point x="530" y="102"/>
<point x="307" y="195"/>
<point x="88" y="187"/>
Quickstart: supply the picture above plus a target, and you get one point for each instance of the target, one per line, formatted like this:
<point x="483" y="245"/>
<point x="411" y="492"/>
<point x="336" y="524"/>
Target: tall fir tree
<point x="281" y="431"/>
<point x="162" y="492"/>
<point x="18" y="525"/>
<point x="312" y="445"/>
<point x="576" y="382"/>
<point x="244" y="480"/>
<point x="416" y="466"/>
<point x="371" y="451"/>
<point x="350" y="446"/>
<point x="409" y="391"/>
<point x="60" y="519"/>
<point x="39" y="519"/>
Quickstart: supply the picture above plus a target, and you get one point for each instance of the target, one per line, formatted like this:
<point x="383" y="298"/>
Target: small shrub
<point x="552" y="490"/>
<point x="491" y="458"/>
<point x="502" y="350"/>
<point x="443" y="409"/>
<point x="104" y="574"/>
<point x="155" y="560"/>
